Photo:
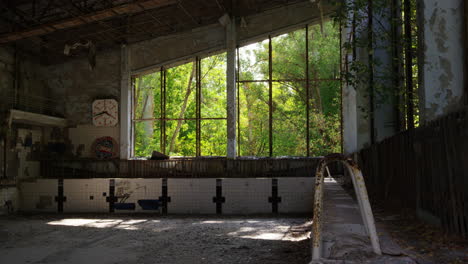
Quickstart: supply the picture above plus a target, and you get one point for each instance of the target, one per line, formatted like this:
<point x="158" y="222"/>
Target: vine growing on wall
<point x="374" y="42"/>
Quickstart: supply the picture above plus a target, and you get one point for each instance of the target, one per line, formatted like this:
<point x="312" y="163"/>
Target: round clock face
<point x="105" y="112"/>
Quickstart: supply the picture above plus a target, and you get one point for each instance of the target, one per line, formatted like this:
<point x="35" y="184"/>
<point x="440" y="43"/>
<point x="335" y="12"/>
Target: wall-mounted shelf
<point x="22" y="117"/>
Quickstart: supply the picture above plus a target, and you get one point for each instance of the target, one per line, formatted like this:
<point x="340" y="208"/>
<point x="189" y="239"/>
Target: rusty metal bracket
<point x="362" y="198"/>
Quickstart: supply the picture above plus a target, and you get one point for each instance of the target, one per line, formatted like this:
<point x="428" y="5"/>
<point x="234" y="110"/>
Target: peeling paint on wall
<point x="79" y="86"/>
<point x="443" y="82"/>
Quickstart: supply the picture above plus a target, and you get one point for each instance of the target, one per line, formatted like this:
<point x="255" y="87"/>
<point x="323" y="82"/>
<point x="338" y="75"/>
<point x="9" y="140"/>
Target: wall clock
<point x="105" y="112"/>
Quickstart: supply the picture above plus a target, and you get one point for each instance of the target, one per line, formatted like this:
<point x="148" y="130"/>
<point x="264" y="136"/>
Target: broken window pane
<point x="181" y="91"/>
<point x="253" y="61"/>
<point x="325" y="125"/>
<point x="181" y="138"/>
<point x="147" y="138"/>
<point x="213" y="86"/>
<point x="289" y="119"/>
<point x="147" y="96"/>
<point x="324" y="52"/>
<point x="253" y="119"/>
<point x="213" y="138"/>
<point x="289" y="56"/>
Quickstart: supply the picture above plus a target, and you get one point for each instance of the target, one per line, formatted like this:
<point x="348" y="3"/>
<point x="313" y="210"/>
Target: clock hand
<point x="104" y="113"/>
<point x="96" y="115"/>
<point x="109" y="114"/>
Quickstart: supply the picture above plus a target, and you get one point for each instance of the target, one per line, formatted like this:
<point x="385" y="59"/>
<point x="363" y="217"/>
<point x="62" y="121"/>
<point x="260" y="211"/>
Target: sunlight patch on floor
<point x="100" y="223"/>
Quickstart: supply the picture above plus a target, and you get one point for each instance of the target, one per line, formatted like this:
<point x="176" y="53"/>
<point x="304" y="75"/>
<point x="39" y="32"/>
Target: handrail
<point x="362" y="198"/>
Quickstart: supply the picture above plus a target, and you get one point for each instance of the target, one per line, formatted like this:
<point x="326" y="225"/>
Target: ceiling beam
<point x="130" y="8"/>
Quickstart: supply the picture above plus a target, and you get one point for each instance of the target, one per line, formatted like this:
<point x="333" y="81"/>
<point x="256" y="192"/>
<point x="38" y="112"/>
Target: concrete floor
<point x="113" y="239"/>
<point x="142" y="239"/>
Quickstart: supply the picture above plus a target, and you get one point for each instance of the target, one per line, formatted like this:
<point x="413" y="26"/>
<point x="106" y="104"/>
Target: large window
<point x="290" y="94"/>
<point x="181" y="111"/>
<point x="288" y="100"/>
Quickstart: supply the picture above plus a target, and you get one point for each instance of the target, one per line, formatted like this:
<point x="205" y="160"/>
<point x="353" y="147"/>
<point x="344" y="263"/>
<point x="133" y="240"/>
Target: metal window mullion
<point x="341" y="89"/>
<point x="163" y="109"/>
<point x="307" y="92"/>
<point x="270" y="97"/>
<point x="198" y="106"/>
<point x="238" y="103"/>
<point x="311" y="69"/>
<point x="408" y="65"/>
<point x="133" y="124"/>
<point x="370" y="50"/>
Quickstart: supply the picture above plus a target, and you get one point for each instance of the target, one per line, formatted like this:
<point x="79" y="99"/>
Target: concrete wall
<point x="443" y="57"/>
<point x="187" y="196"/>
<point x="385" y="91"/>
<point x="6" y="84"/>
<point x="82" y="138"/>
<point x="78" y="85"/>
<point x="441" y="69"/>
<point x="151" y="54"/>
<point x="7" y="61"/>
<point x="22" y="76"/>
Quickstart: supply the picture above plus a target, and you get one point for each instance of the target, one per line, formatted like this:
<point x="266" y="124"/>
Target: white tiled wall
<point x="39" y="195"/>
<point x="297" y="195"/>
<point x="8" y="194"/>
<point x="191" y="196"/>
<point x="188" y="196"/>
<point x="246" y="196"/>
<point x="137" y="189"/>
<point x="80" y="191"/>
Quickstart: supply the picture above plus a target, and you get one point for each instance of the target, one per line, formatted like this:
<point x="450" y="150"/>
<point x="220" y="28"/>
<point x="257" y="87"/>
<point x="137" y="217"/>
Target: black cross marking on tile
<point x="60" y="198"/>
<point x="274" y="199"/>
<point x="219" y="199"/>
<point x="164" y="199"/>
<point x="111" y="199"/>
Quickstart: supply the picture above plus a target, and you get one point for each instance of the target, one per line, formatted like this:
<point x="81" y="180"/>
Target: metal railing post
<point x="362" y="197"/>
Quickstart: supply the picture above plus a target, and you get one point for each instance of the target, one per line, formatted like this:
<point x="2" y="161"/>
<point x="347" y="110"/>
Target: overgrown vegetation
<point x="383" y="64"/>
<point x="177" y="121"/>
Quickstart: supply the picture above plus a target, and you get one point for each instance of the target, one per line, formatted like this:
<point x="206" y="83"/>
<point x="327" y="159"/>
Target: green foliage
<point x="376" y="38"/>
<point x="289" y="61"/>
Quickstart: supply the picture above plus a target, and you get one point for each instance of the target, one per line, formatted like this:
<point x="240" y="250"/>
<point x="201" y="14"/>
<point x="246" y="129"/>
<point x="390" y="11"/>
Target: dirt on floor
<point x="104" y="239"/>
<point x="424" y="243"/>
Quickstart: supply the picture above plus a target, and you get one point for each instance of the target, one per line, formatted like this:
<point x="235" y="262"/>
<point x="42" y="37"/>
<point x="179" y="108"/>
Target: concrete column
<point x="125" y="105"/>
<point x="231" y="89"/>
<point x="384" y="89"/>
<point x="363" y="105"/>
<point x="349" y="120"/>
<point x="349" y="109"/>
<point x="441" y="90"/>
